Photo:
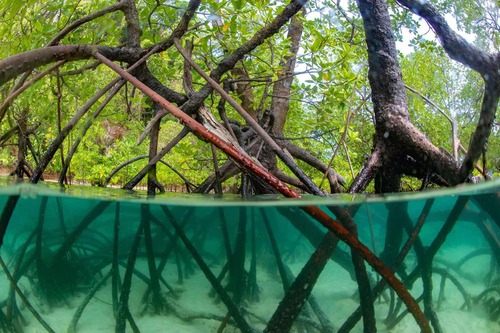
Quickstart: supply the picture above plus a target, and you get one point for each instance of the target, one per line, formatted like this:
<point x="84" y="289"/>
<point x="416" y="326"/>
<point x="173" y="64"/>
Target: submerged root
<point x="167" y="306"/>
<point x="83" y="305"/>
<point x="490" y="300"/>
<point x="11" y="325"/>
<point x="157" y="303"/>
<point x="492" y="306"/>
<point x="55" y="279"/>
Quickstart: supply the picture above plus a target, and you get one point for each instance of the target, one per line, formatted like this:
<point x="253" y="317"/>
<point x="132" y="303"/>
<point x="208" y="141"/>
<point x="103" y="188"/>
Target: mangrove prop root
<point x="237" y="279"/>
<point x="115" y="278"/>
<point x="85" y="302"/>
<point x="225" y="234"/>
<point x="7" y="211"/>
<point x="476" y="253"/>
<point x="483" y="294"/>
<point x="492" y="240"/>
<point x="364" y="287"/>
<point x="377" y="290"/>
<point x="180" y="275"/>
<point x="315" y="212"/>
<point x="6" y="325"/>
<point x="253" y="288"/>
<point x="427" y="296"/>
<point x="24" y="299"/>
<point x="153" y="272"/>
<point x="18" y="271"/>
<point x="491" y="303"/>
<point x="147" y="281"/>
<point x="450" y="222"/>
<point x="224" y="322"/>
<point x="171" y="246"/>
<point x="447" y="275"/>
<point x="132" y="323"/>
<point x="43" y="277"/>
<point x="390" y="312"/>
<point x="426" y="260"/>
<point x="398" y="319"/>
<point x="220" y="277"/>
<point x="277" y="255"/>
<point x="123" y="312"/>
<point x="291" y="305"/>
<point x="73" y="236"/>
<point x="231" y="306"/>
<point x="441" y="296"/>
<point x="326" y="325"/>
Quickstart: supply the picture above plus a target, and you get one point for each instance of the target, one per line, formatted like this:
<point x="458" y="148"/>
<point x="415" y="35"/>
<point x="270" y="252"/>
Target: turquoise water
<point x="98" y="260"/>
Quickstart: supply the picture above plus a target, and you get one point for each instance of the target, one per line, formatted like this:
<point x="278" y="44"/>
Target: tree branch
<point x="369" y="170"/>
<point x="144" y="171"/>
<point x="484" y="126"/>
<point x="88" y="124"/>
<point x="134" y="30"/>
<point x="144" y="74"/>
<point x="454" y="44"/>
<point x="49" y="154"/>
<point x="286" y="158"/>
<point x="57" y="38"/>
<point x="333" y="177"/>
<point x="230" y="61"/>
<point x="181" y="28"/>
<point x="81" y="70"/>
<point x="26" y="61"/>
<point x="486" y="64"/>
<point x="8" y="101"/>
<point x="289" y="179"/>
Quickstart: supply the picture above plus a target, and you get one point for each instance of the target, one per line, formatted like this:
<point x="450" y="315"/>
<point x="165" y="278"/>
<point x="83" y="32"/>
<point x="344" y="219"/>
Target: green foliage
<point x="418" y="69"/>
<point x="456" y="91"/>
<point x="330" y="84"/>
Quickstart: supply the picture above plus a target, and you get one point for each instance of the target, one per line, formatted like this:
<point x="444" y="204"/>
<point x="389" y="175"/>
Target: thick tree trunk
<point x="280" y="103"/>
<point x="400" y="143"/>
<point x="153" y="149"/>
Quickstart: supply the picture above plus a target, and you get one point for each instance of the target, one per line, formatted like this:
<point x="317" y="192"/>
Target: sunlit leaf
<point x="238" y="4"/>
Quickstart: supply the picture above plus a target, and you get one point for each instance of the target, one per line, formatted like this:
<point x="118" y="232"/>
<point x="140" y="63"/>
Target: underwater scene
<point x="104" y="260"/>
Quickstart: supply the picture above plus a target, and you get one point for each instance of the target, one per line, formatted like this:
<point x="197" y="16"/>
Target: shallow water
<point x="60" y="245"/>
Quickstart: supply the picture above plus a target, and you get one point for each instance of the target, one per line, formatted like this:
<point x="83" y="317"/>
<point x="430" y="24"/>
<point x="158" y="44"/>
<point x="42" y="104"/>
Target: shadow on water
<point x="87" y="260"/>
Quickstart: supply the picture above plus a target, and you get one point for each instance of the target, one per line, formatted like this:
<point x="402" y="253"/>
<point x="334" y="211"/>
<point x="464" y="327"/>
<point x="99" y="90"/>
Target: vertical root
<point x="24" y="299"/>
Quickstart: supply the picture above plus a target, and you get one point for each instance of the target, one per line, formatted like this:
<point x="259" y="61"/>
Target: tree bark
<point x="22" y="134"/>
<point x="153" y="149"/>
<point x="488" y="65"/>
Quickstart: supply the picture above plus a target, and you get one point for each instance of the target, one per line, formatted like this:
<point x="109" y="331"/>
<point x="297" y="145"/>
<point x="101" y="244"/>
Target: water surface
<point x="61" y="246"/>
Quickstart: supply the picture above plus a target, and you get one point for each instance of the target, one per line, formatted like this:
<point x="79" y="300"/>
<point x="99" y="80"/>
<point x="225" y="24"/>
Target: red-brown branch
<point x="243" y="159"/>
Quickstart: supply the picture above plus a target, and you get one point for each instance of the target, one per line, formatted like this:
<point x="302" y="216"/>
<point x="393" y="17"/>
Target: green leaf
<point x="14" y="8"/>
<point x="318" y="42"/>
<point x="237" y="4"/>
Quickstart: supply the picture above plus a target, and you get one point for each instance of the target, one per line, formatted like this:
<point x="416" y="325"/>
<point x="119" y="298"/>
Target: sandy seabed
<point x="334" y="292"/>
